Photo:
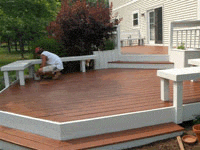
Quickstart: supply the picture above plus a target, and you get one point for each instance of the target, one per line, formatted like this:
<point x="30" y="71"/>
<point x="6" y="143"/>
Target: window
<point x="135" y="19"/>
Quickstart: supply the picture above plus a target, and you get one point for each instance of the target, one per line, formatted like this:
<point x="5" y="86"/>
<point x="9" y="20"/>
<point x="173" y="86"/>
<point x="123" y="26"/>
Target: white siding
<point x="117" y="3"/>
<point x="172" y="10"/>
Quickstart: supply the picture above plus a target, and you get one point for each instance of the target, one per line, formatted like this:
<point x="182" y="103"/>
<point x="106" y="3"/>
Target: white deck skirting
<point x="95" y="126"/>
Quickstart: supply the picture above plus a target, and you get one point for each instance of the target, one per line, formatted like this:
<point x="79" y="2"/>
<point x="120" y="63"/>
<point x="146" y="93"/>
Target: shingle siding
<point x="172" y="10"/>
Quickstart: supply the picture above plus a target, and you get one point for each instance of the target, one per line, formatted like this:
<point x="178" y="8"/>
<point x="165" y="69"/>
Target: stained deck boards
<point x="92" y="94"/>
<point x="147" y="50"/>
<point x="38" y="142"/>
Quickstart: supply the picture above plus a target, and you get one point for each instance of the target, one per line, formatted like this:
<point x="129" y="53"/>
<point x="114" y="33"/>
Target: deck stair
<point x="16" y="139"/>
<point x="142" y="62"/>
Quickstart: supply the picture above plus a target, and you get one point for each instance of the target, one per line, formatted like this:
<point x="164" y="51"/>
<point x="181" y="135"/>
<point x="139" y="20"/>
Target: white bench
<point x="20" y="66"/>
<point x="177" y="75"/>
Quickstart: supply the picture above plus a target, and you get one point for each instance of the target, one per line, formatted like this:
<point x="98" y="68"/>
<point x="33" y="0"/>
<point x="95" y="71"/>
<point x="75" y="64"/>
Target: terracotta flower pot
<point x="196" y="130"/>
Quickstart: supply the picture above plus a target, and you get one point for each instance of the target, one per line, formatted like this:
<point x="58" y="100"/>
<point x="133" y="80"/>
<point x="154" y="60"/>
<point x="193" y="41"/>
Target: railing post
<point x="177" y="39"/>
<point x="186" y="39"/>
<point x="195" y="31"/>
<point x="178" y="101"/>
<point x="199" y="39"/>
<point x="190" y="38"/>
<point x="170" y="38"/>
<point x="181" y="36"/>
<point x="118" y="39"/>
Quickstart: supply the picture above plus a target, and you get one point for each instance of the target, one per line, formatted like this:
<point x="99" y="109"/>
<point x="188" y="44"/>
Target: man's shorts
<point x="50" y="68"/>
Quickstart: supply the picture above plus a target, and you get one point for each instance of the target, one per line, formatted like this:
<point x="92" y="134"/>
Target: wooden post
<point x="178" y="101"/>
<point x="164" y="89"/>
<point x="180" y="143"/>
<point x="186" y="39"/>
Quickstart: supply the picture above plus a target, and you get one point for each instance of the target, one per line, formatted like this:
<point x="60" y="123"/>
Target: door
<point x="155" y="26"/>
<point x="152" y="27"/>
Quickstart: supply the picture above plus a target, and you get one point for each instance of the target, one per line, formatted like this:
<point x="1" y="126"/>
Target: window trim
<point x="135" y="12"/>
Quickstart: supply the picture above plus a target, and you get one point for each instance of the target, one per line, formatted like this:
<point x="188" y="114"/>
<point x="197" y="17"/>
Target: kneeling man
<point x="51" y="64"/>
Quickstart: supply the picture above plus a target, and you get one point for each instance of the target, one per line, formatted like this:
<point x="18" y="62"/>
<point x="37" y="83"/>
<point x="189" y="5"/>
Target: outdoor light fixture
<point x="142" y="15"/>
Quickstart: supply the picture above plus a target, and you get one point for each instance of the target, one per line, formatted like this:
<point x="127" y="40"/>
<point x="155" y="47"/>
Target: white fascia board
<point x="125" y="5"/>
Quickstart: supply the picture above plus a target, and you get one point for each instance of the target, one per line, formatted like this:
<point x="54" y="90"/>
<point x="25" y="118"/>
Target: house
<point x="151" y="18"/>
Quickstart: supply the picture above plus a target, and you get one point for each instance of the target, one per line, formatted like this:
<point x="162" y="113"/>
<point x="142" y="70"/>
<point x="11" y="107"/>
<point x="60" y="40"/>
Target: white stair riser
<point x="141" y="66"/>
<point x="136" y="143"/>
<point x="133" y="58"/>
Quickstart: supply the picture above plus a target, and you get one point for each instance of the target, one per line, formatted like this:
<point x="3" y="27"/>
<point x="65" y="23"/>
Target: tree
<point x="26" y="20"/>
<point x="82" y="27"/>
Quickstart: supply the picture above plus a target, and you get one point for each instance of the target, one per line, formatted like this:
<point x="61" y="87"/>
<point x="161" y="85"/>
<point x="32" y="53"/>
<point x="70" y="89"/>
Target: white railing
<point x="130" y="38"/>
<point x="187" y="32"/>
<point x="189" y="37"/>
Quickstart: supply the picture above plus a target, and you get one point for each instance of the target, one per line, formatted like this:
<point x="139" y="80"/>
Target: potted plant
<point x="181" y="54"/>
<point x="196" y="127"/>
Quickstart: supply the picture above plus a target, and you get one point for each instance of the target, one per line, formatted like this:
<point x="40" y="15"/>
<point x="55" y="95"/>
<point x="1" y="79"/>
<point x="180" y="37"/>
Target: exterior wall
<point x="172" y="11"/>
<point x="117" y="3"/>
<point x="198" y="10"/>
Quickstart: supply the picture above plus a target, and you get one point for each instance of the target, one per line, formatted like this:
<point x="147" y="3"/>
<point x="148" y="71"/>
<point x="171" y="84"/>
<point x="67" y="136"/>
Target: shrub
<point x="109" y="44"/>
<point x="48" y="44"/>
<point x="82" y="27"/>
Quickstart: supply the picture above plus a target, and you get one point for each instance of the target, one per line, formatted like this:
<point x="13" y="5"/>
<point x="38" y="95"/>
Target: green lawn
<point x="6" y="58"/>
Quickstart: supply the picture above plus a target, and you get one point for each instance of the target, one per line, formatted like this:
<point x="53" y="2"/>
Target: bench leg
<point x="17" y="75"/>
<point x="82" y="65"/>
<point x="31" y="71"/>
<point x="164" y="89"/>
<point x="21" y="77"/>
<point x="6" y="79"/>
<point x="178" y="101"/>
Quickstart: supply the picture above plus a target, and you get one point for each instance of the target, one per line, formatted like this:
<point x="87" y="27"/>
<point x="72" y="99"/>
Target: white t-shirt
<point x="53" y="59"/>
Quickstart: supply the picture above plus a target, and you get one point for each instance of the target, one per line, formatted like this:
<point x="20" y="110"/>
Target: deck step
<point x="141" y="64"/>
<point x="122" y="139"/>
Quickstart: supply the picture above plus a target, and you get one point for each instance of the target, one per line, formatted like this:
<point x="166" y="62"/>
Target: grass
<point x="7" y="58"/>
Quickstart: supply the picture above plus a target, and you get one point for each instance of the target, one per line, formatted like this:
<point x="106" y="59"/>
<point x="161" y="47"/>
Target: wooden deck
<point x="77" y="96"/>
<point x="148" y="50"/>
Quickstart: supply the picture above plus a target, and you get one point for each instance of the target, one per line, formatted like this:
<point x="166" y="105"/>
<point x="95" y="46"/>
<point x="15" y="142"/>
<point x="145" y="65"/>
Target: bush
<point x="48" y="44"/>
<point x="82" y="27"/>
<point x="109" y="44"/>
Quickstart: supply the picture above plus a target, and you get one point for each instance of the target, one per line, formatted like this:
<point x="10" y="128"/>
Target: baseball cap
<point x="37" y="49"/>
